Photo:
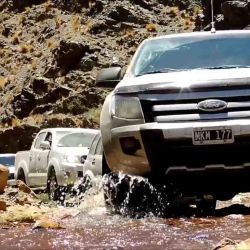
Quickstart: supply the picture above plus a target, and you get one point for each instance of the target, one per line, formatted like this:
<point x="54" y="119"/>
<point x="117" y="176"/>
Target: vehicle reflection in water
<point x="95" y="228"/>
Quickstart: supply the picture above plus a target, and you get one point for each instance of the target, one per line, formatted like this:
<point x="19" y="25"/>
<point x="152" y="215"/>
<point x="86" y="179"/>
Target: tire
<point x="21" y="175"/>
<point x="52" y="185"/>
<point x="105" y="167"/>
<point x="130" y="196"/>
<point x="206" y="206"/>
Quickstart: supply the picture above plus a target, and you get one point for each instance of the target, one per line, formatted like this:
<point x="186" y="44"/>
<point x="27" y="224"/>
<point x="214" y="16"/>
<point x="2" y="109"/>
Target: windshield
<point x="76" y="140"/>
<point x="7" y="160"/>
<point x="187" y="53"/>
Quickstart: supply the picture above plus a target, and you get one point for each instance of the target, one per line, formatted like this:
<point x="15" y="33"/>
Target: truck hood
<point x="189" y="79"/>
<point x="77" y="151"/>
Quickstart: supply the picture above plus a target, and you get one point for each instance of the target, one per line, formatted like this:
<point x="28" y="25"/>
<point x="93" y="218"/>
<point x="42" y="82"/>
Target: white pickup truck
<point x="55" y="159"/>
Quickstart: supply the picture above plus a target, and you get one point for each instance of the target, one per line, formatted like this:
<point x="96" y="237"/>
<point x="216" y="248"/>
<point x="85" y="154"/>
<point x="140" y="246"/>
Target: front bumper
<point x="71" y="172"/>
<point x="167" y="152"/>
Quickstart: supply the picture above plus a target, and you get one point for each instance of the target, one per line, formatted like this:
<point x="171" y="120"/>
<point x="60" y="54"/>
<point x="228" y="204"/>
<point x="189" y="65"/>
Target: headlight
<point x="126" y="107"/>
<point x="71" y="159"/>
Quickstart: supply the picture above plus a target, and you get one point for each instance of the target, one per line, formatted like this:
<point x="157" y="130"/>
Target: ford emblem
<point x="212" y="105"/>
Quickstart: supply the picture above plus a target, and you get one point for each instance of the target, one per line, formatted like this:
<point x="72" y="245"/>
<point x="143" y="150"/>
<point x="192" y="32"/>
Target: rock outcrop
<point x="4" y="174"/>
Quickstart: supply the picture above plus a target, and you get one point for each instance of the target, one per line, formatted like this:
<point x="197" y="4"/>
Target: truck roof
<point x="87" y="130"/>
<point x="202" y="33"/>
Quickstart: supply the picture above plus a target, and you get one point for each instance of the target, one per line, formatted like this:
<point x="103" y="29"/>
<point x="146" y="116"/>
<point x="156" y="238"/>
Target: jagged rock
<point x="41" y="109"/>
<point x="17" y="138"/>
<point x="124" y="14"/>
<point x="2" y="205"/>
<point x="4" y="173"/>
<point x="80" y="102"/>
<point x="23" y="187"/>
<point x="69" y="53"/>
<point x="40" y="85"/>
<point x="88" y="62"/>
<point x="23" y="103"/>
<point x="228" y="244"/>
<point x="236" y="13"/>
<point x="55" y="94"/>
<point x="20" y="5"/>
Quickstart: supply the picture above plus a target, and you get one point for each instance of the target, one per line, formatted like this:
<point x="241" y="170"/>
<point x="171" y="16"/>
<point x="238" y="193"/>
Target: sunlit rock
<point x="2" y="206"/>
<point x="4" y="173"/>
<point x="47" y="223"/>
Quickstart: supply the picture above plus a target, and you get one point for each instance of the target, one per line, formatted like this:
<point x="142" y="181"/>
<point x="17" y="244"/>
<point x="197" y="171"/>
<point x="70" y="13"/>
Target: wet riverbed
<point x="93" y="227"/>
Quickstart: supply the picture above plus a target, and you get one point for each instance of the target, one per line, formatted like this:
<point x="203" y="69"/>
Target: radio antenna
<point x="212" y="14"/>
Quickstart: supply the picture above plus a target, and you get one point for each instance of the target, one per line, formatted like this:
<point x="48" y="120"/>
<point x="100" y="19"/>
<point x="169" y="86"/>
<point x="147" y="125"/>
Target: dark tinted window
<point x="7" y="161"/>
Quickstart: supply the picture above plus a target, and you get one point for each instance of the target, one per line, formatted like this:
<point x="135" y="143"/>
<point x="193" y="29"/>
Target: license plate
<point x="204" y="136"/>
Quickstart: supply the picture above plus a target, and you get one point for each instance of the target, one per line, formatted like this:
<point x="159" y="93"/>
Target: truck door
<point x="98" y="157"/>
<point x="34" y="170"/>
<point x="43" y="159"/>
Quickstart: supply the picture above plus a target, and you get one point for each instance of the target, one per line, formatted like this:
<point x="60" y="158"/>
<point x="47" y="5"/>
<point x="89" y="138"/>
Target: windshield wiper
<point x="226" y="67"/>
<point x="165" y="70"/>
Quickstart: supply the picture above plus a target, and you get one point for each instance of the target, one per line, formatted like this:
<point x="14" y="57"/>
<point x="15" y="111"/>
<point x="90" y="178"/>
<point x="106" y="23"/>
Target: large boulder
<point x="4" y="173"/>
<point x="23" y="103"/>
<point x="236" y="13"/>
<point x="69" y="53"/>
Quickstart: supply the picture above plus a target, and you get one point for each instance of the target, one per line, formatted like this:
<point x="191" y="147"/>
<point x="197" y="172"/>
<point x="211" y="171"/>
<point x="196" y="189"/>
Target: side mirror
<point x="45" y="145"/>
<point x="109" y="77"/>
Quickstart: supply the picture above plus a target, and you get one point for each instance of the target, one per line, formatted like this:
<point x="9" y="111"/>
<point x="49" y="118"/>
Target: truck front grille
<point x="183" y="106"/>
<point x="163" y="154"/>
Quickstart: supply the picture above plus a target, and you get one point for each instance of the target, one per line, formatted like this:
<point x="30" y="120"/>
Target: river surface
<point x="93" y="227"/>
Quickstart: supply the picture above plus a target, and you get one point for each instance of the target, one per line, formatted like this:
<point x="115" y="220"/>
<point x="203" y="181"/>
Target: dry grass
<point x="22" y="19"/>
<point x="48" y="6"/>
<point x="25" y="48"/>
<point x="188" y="23"/>
<point x="3" y="82"/>
<point x="26" y="213"/>
<point x="51" y="44"/>
<point x="171" y="11"/>
<point x="58" y="22"/>
<point x="129" y="33"/>
<point x="197" y="10"/>
<point x="76" y="23"/>
<point x="94" y="115"/>
<point x="16" y="122"/>
<point x="16" y="38"/>
<point x="88" y="27"/>
<point x="151" y="27"/>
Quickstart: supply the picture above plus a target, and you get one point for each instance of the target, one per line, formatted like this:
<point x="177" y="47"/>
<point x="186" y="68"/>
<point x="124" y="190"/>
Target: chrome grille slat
<point x="195" y="95"/>
<point x="196" y="117"/>
<point x="193" y="106"/>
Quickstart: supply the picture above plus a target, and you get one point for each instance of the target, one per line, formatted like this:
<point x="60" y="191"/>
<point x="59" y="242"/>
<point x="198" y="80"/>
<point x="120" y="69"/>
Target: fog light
<point x="79" y="174"/>
<point x="130" y="145"/>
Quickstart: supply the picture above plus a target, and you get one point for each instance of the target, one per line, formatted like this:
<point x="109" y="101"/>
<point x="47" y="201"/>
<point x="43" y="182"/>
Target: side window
<point x="39" y="139"/>
<point x="93" y="145"/>
<point x="49" y="137"/>
<point x="98" y="150"/>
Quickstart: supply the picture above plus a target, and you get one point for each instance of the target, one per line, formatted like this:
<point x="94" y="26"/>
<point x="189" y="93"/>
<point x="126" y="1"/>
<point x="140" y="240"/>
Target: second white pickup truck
<point x="55" y="159"/>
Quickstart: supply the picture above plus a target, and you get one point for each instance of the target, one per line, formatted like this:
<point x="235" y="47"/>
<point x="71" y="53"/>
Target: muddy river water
<point x="93" y="227"/>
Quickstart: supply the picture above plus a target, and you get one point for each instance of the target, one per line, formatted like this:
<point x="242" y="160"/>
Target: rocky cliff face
<point x="51" y="51"/>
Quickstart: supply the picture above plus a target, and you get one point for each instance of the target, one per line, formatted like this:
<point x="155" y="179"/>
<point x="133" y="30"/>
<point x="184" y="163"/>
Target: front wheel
<point x="52" y="185"/>
<point x="21" y="175"/>
<point x="206" y="205"/>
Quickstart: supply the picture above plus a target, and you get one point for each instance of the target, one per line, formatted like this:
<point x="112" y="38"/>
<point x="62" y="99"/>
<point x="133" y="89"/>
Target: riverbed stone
<point x="2" y="205"/>
<point x="4" y="173"/>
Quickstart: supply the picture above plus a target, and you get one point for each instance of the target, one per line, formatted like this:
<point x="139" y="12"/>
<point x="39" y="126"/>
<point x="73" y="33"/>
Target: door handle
<point x="39" y="158"/>
<point x="93" y="162"/>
